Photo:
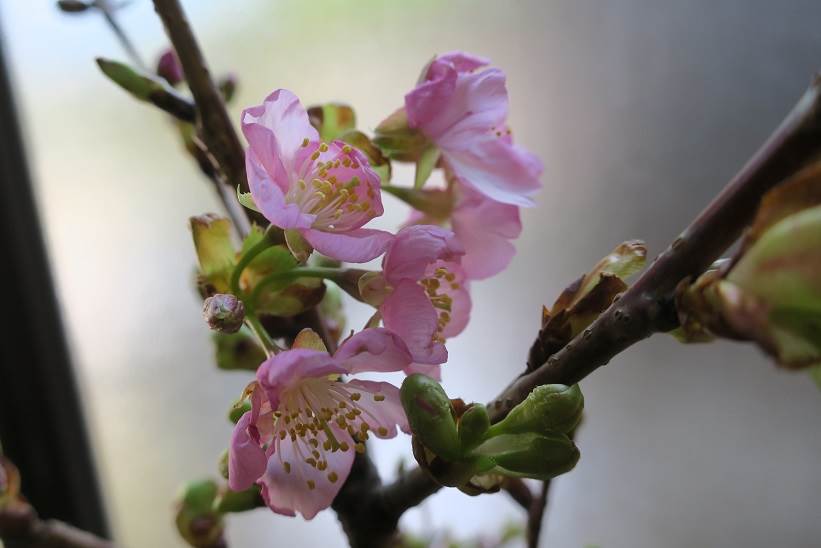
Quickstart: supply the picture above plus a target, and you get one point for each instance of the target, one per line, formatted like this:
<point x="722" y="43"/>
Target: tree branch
<point x="647" y="307"/>
<point x="21" y="528"/>
<point x="213" y="124"/>
<point x="535" y="516"/>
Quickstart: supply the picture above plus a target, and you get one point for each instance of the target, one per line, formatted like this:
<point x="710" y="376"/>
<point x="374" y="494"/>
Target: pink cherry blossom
<point x="299" y="439"/>
<point x="427" y="298"/>
<point x="326" y="191"/>
<point x="483" y="226"/>
<point x="463" y="111"/>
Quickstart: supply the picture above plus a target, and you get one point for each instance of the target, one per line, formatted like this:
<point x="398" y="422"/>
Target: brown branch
<point x="519" y="492"/>
<point x="535" y="516"/>
<point x="213" y="124"/>
<point x="646" y="307"/>
<point x="21" y="528"/>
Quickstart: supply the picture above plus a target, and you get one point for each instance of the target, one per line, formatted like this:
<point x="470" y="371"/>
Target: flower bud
<point x="197" y="521"/>
<point x="430" y="416"/>
<point x="531" y="455"/>
<point x="473" y="426"/>
<point x="228" y="87"/>
<point x="332" y="120"/>
<point x="224" y="312"/>
<point x="398" y="140"/>
<point x="169" y="67"/>
<point x="74" y="6"/>
<point x="548" y="408"/>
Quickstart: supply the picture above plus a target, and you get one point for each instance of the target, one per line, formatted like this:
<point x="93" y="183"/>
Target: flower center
<point x="438" y="286"/>
<point x="329" y="186"/>
<point x="315" y="415"/>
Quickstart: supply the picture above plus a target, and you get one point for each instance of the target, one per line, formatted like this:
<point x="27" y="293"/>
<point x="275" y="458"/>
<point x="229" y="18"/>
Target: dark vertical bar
<point x="41" y="422"/>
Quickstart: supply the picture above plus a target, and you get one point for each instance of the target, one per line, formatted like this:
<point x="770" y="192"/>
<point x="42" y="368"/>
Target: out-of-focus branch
<point x="535" y="515"/>
<point x="21" y="528"/>
<point x="108" y="10"/>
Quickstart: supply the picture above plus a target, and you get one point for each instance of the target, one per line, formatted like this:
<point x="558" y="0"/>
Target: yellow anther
<point x="287" y="467"/>
<point x="346" y="162"/>
<point x="382" y="431"/>
<point x="355" y="396"/>
<point x="315" y="453"/>
<point x="282" y="434"/>
<point x="315" y="155"/>
<point x="359" y="448"/>
<point x="311" y="461"/>
<point x="305" y="142"/>
<point x="347" y="149"/>
<point x="378" y="397"/>
<point x="332" y="477"/>
<point x="344" y="446"/>
<point x="311" y="484"/>
<point x="323" y="147"/>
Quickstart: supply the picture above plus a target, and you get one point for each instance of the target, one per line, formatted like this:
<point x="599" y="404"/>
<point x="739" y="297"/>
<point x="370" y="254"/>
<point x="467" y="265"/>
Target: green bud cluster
<point x="531" y="442"/>
<point x="201" y="506"/>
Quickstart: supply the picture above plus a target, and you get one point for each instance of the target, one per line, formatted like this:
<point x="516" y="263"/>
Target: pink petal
<point x="285" y="488"/>
<point x="246" y="459"/>
<point x="374" y="349"/>
<point x="283" y="370"/>
<point x="276" y="129"/>
<point x="380" y="413"/>
<point x="477" y="107"/>
<point x="415" y="247"/>
<point x="353" y="246"/>
<point x="434" y="371"/>
<point x="408" y="312"/>
<point x="485" y="227"/>
<point x="428" y="100"/>
<point x="501" y="171"/>
<point x="461" y="61"/>
<point x="269" y="197"/>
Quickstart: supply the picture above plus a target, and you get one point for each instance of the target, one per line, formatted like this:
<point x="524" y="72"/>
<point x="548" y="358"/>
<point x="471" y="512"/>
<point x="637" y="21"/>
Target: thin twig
<point x="535" y="516"/>
<point x="519" y="491"/>
<point x="646" y="308"/>
<point x="108" y="11"/>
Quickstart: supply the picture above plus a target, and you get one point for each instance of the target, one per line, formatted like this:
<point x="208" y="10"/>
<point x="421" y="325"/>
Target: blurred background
<point x="641" y="111"/>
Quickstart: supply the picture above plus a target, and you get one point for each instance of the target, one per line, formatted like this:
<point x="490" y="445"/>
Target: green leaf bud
<point x="548" y="408"/>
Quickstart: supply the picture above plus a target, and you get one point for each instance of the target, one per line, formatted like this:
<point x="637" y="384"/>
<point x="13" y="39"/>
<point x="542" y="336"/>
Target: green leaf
<point x="473" y="426"/>
<point x="331" y="120"/>
<point x="138" y="84"/>
<point x="425" y="165"/>
<point x="548" y="408"/>
<point x="536" y="456"/>
<point x="299" y="246"/>
<point x="247" y="200"/>
<point x="237" y="351"/>
<point x="215" y="251"/>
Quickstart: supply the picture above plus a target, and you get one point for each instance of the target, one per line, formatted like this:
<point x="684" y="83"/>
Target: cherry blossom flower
<point x="325" y="191"/>
<point x="483" y="226"/>
<point x="299" y="439"/>
<point x="463" y="111"/>
<point x="424" y="293"/>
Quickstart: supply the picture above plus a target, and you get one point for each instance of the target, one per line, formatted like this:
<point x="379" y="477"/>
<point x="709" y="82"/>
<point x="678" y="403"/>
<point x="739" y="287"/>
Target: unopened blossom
<point x="299" y="440"/>
<point x="462" y="108"/>
<point x="325" y="191"/>
<point x="485" y="228"/>
<point x="425" y="297"/>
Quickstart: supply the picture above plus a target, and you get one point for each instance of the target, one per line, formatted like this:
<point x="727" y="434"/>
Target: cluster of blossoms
<point x="305" y="423"/>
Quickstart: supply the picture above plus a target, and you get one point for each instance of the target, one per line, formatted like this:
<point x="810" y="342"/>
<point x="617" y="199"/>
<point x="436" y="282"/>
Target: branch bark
<point x="535" y="516"/>
<point x="21" y="528"/>
<point x="213" y="124"/>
